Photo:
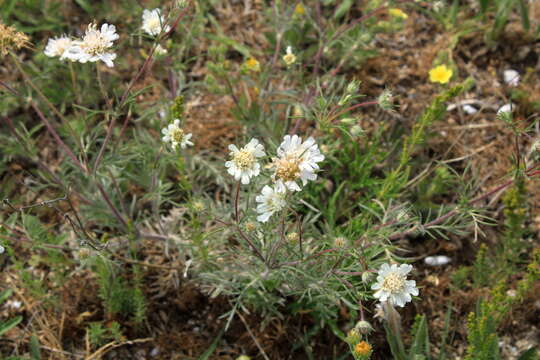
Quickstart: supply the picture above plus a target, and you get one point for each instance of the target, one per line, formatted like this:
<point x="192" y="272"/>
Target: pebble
<point x="438" y="260"/>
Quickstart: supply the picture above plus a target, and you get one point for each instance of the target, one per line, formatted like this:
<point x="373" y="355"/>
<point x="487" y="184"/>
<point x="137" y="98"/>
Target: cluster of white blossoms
<point x="392" y="285"/>
<point x="295" y="164"/>
<point x="154" y="22"/>
<point x="95" y="45"/>
<point x="176" y="135"/>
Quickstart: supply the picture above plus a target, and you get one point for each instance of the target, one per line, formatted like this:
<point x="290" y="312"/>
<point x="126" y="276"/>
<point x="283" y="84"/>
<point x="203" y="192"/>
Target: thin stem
<point x="105" y="142"/>
<point x="236" y="201"/>
<point x="57" y="138"/>
<point x="53" y="108"/>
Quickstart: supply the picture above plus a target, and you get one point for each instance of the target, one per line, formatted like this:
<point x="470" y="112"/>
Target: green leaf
<point x="206" y="355"/>
<point x="35" y="353"/>
<point x="343" y="8"/>
<point x="524" y="12"/>
<point x="531" y="354"/>
<point x="5" y="294"/>
<point x="8" y="325"/>
<point x="85" y="5"/>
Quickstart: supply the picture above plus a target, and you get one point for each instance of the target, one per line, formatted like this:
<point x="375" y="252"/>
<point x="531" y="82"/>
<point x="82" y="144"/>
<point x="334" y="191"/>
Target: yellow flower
<point x="299" y="9"/>
<point x="395" y="12"/>
<point x="289" y="58"/>
<point x="440" y="74"/>
<point x="252" y="64"/>
<point x="362" y="348"/>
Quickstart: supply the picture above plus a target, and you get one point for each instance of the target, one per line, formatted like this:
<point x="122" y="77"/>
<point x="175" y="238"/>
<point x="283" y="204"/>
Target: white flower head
<point x="511" y="77"/>
<point x="154" y="22"/>
<point x="271" y="200"/>
<point x="243" y="165"/>
<point x="95" y="45"/>
<point x="392" y="284"/>
<point x="296" y="160"/>
<point x="2" y="249"/>
<point x="289" y="58"/>
<point x="176" y="136"/>
<point x="59" y="47"/>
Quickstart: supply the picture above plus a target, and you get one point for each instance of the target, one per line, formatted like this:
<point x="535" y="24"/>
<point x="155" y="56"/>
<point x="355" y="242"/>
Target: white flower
<point x="506" y="108"/>
<point x="289" y="58"/>
<point x="270" y="201"/>
<point x="176" y="136"/>
<point x="154" y="22"/>
<point x="511" y="77"/>
<point x="297" y="161"/>
<point x="392" y="284"/>
<point x="95" y="44"/>
<point x="59" y="47"/>
<point x="244" y="163"/>
<point x="2" y="249"/>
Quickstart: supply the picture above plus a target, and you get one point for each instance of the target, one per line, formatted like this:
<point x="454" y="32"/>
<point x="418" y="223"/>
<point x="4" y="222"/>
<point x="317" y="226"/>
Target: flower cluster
<point x="95" y="45"/>
<point x="296" y="164"/>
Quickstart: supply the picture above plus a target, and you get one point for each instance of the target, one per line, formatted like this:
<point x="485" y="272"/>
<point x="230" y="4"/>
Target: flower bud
<point x="293" y="237"/>
<point x="385" y="100"/>
<point x="340" y="242"/>
<point x="363" y="327"/>
<point x="353" y="336"/>
<point x="357" y="130"/>
<point x="366" y="277"/>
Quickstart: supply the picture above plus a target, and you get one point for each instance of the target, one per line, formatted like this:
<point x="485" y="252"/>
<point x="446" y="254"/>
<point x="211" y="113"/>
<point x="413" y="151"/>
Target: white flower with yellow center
<point x="289" y="58"/>
<point x="243" y="165"/>
<point x="59" y="47"/>
<point x="296" y="161"/>
<point x="271" y="200"/>
<point x="154" y="22"/>
<point x="392" y="284"/>
<point x="176" y="136"/>
<point x="95" y="45"/>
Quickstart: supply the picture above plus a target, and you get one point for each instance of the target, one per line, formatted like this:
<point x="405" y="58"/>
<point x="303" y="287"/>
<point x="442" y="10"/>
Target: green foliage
<point x="482" y="337"/>
<point x="100" y="334"/>
<point x="482" y="267"/>
<point x="116" y="293"/>
<point x="5" y="326"/>
<point x="419" y="348"/>
<point x="515" y="213"/>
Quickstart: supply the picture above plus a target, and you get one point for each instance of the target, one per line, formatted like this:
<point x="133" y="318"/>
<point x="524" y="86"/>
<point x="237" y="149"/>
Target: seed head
<point x="11" y="39"/>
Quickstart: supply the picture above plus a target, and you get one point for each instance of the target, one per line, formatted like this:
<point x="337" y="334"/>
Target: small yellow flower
<point x="252" y="64"/>
<point x="395" y="12"/>
<point x="362" y="348"/>
<point x="440" y="74"/>
<point x="300" y="9"/>
<point x="289" y="58"/>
